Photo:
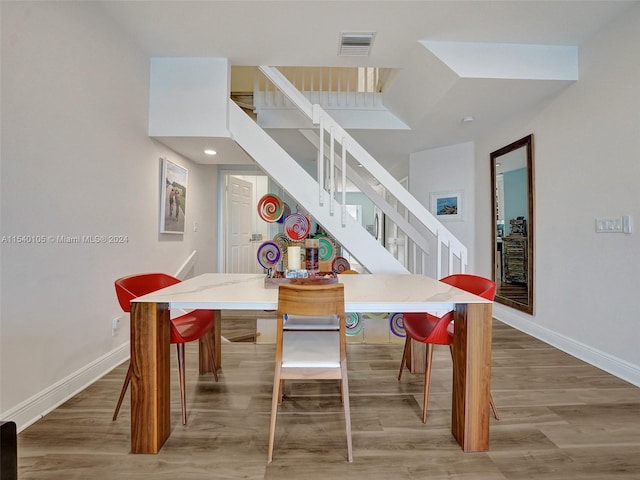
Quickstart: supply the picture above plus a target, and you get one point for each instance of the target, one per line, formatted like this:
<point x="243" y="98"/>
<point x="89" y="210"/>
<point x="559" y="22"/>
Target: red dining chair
<point x="186" y="328"/>
<point x="432" y="330"/>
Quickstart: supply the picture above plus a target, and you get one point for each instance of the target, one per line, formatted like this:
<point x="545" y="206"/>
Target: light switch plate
<point x="608" y="225"/>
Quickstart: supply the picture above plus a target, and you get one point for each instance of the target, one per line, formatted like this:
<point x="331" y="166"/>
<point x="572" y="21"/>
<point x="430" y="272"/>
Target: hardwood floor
<point x="515" y="291"/>
<point x="560" y="419"/>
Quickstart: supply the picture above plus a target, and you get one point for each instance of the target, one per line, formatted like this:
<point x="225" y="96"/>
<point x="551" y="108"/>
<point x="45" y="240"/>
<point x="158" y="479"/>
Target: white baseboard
<point x="36" y="407"/>
<point x="610" y="364"/>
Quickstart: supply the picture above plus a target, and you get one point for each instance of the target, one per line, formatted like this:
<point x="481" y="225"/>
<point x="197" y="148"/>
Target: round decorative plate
<point x="326" y="248"/>
<point x="296" y="226"/>
<point x="286" y="211"/>
<point x="353" y="324"/>
<point x="396" y="325"/>
<point x="270" y="208"/>
<point x="340" y="264"/>
<point x="282" y="241"/>
<point x="268" y="254"/>
<point x="376" y="316"/>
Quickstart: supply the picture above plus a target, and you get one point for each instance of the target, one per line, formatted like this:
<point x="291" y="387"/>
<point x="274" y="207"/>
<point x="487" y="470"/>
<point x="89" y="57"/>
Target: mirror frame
<point x="526" y="142"/>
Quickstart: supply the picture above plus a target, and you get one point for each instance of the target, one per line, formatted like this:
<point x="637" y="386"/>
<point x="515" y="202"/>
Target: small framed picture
<point x="447" y="205"/>
<point x="173" y="198"/>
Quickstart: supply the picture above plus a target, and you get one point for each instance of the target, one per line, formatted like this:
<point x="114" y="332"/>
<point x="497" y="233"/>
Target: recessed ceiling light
<point x="467" y="119"/>
<point x="210" y="152"/>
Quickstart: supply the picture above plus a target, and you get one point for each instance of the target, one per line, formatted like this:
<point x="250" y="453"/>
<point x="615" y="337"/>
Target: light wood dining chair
<point x="310" y="344"/>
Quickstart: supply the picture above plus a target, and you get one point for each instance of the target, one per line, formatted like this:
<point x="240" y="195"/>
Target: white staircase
<point x="285" y="171"/>
<point x="325" y="199"/>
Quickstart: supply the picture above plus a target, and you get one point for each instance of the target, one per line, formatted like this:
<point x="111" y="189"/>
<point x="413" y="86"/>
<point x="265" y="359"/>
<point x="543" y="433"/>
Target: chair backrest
<point x="481" y="286"/>
<point x="133" y="286"/>
<point x="311" y="300"/>
<point x="320" y="303"/>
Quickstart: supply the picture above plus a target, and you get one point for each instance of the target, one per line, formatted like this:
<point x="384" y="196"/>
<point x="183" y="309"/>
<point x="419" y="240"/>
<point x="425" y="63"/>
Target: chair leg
<point x="347" y="411"/>
<point x="281" y="392"/>
<point x="275" y="400"/>
<point x="212" y="355"/>
<point x="405" y="352"/>
<point x="427" y="380"/>
<point x="491" y="402"/>
<point x="183" y="399"/>
<point x="125" y="385"/>
<point x="493" y="407"/>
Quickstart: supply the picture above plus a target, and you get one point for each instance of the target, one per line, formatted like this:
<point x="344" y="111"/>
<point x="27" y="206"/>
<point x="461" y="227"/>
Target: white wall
<point x="447" y="169"/>
<point x="77" y="160"/>
<point x="188" y="97"/>
<point x="587" y="166"/>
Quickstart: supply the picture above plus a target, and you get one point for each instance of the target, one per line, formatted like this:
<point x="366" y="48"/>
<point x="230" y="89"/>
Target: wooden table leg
<point x="472" y="376"/>
<point x="150" y="382"/>
<point x="204" y="362"/>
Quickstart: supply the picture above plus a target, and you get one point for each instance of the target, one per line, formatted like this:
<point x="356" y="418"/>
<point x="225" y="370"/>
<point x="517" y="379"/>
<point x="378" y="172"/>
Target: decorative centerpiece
<point x="305" y="257"/>
<point x="296" y="274"/>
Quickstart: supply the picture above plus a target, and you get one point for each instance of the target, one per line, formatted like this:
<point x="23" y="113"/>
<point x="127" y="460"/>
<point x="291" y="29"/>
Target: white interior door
<point x="239" y="222"/>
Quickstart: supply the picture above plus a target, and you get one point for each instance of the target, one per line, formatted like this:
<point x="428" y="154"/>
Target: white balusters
<point x="439" y="256"/>
<point x="451" y="257"/>
<point x="332" y="172"/>
<point x="343" y="183"/>
<point x="321" y="160"/>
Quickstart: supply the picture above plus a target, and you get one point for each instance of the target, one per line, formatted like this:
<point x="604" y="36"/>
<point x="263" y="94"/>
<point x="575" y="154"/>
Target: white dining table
<point x="375" y="293"/>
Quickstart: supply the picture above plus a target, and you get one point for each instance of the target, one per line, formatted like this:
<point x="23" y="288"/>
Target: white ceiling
<point x="427" y="95"/>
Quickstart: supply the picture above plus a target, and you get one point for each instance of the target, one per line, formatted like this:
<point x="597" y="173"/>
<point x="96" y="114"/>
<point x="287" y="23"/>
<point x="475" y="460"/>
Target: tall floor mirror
<point x="513" y="226"/>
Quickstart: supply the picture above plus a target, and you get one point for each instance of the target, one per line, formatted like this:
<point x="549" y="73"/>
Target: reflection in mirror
<point x="512" y="219"/>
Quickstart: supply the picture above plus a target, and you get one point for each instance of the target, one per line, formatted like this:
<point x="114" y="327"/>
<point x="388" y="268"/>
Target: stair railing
<point x="335" y="145"/>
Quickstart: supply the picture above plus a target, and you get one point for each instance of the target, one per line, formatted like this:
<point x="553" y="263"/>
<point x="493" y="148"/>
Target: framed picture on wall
<point x="447" y="205"/>
<point x="173" y="197"/>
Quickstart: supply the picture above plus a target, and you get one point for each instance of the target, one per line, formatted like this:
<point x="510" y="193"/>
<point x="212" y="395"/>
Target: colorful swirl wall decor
<point x="286" y="211"/>
<point x="376" y="316"/>
<point x="396" y="326"/>
<point x="296" y="226"/>
<point x="340" y="264"/>
<point x="353" y="324"/>
<point x="326" y="248"/>
<point x="270" y="208"/>
<point x="282" y="241"/>
<point x="268" y="254"/>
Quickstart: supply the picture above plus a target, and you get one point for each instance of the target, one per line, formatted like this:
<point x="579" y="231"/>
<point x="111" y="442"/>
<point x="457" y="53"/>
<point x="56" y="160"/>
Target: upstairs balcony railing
<point x="331" y="87"/>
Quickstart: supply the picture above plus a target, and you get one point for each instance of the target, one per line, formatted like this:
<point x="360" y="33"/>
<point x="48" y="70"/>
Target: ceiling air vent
<point x="355" y="44"/>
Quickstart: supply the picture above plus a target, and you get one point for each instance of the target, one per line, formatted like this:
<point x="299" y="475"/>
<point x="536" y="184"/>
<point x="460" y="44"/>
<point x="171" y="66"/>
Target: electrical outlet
<point x="115" y="326"/>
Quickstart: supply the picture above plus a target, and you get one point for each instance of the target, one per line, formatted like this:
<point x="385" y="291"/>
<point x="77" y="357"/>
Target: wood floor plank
<point x="560" y="419"/>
